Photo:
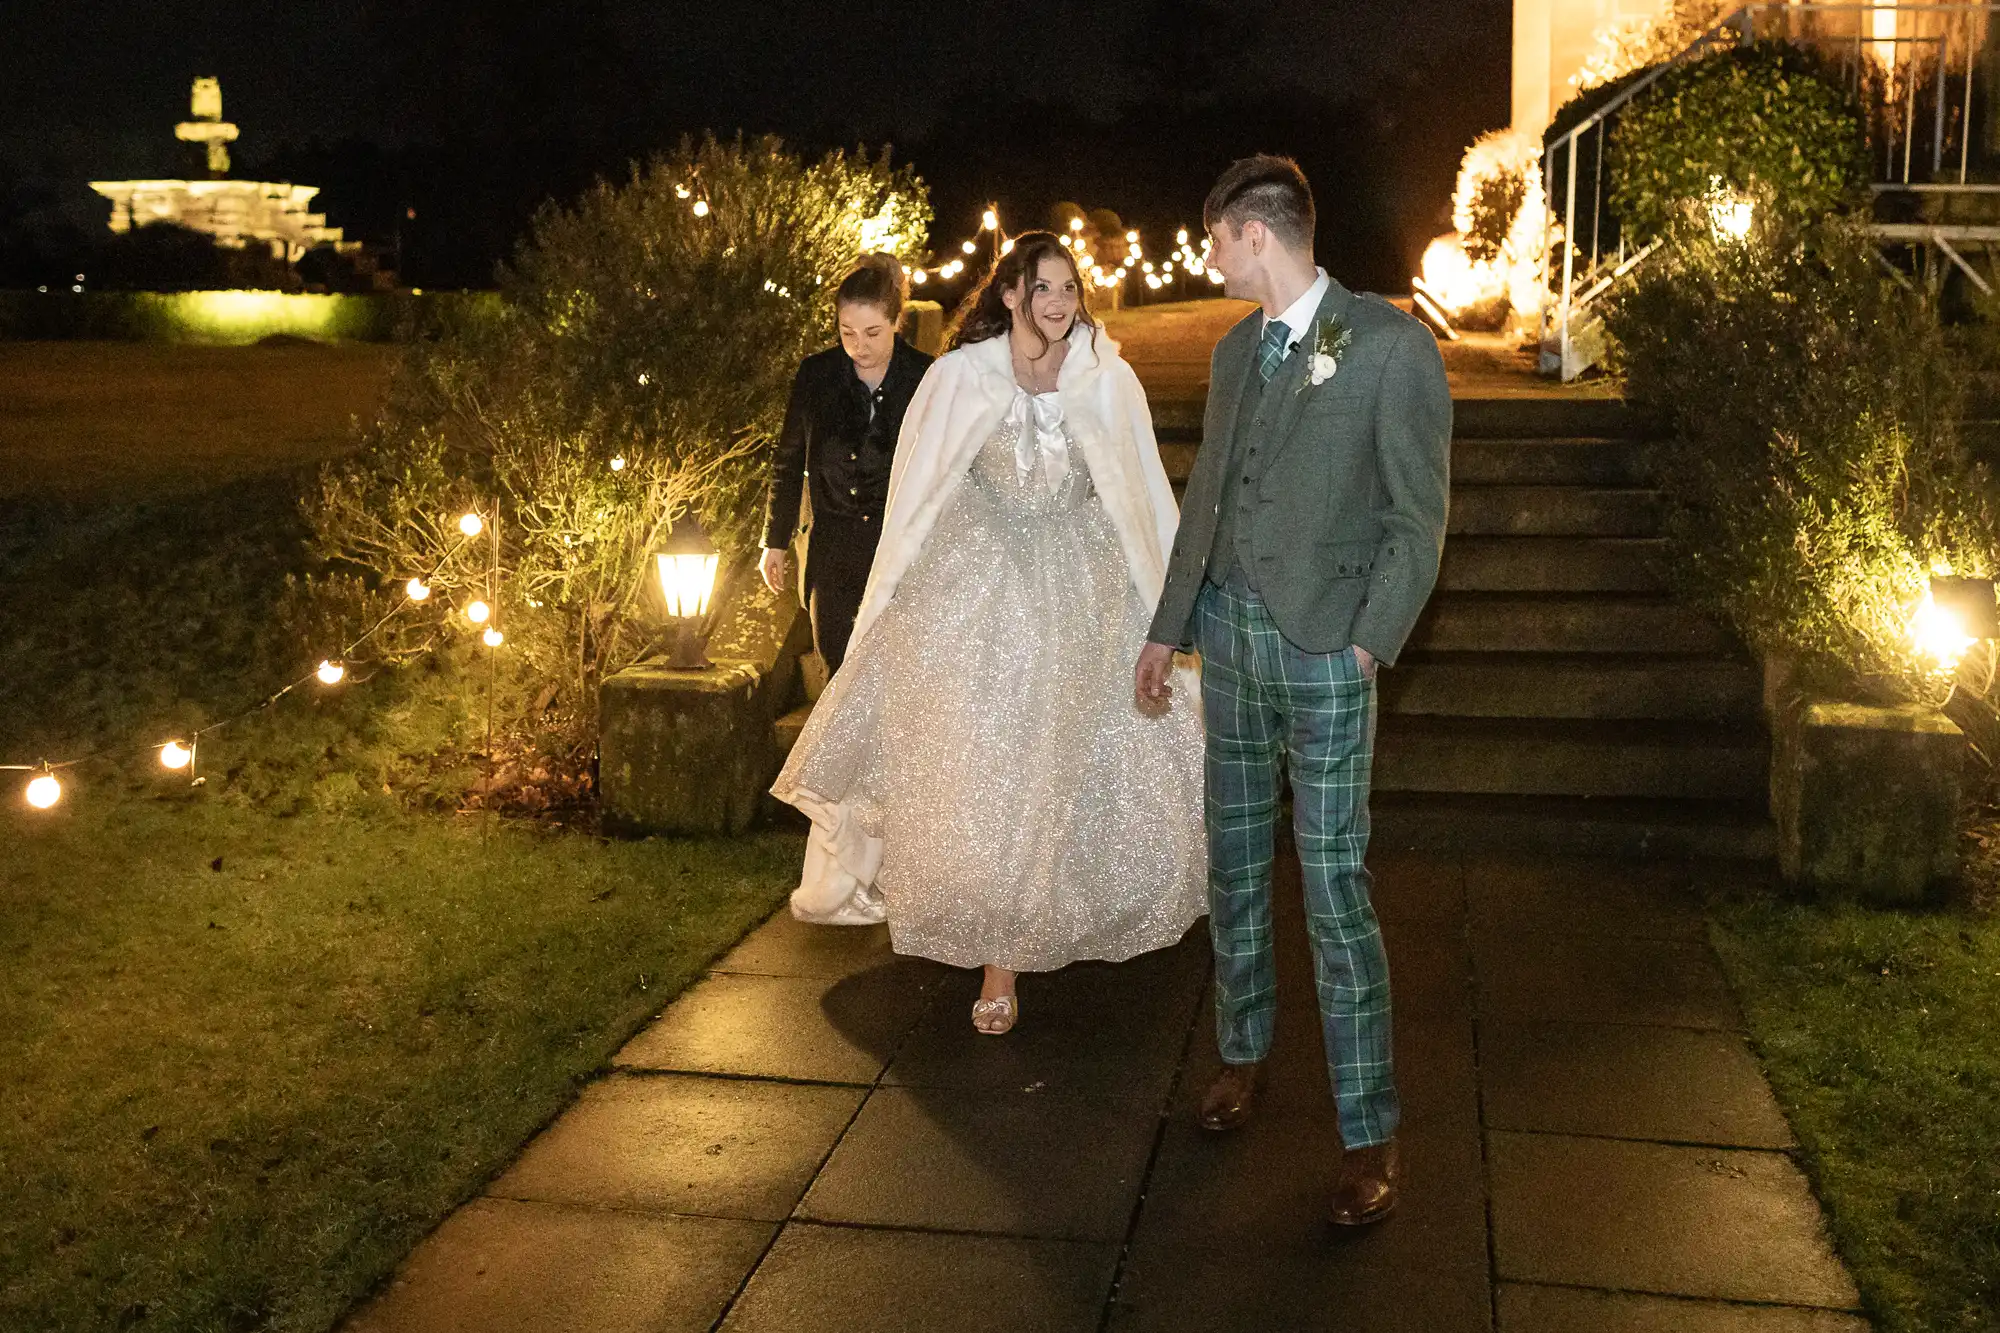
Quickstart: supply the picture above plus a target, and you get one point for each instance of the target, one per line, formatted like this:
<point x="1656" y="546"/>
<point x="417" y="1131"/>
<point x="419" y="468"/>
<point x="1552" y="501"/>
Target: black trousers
<point x="838" y="554"/>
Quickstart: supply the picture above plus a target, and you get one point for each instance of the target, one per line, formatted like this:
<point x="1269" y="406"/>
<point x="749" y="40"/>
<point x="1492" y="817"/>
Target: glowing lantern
<point x="687" y="579"/>
<point x="44" y="791"/>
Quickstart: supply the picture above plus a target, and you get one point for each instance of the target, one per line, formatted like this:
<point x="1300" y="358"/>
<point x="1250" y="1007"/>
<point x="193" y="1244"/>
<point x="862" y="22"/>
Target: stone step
<point x="1596" y="686"/>
<point x="1578" y="462"/>
<point x="1554" y="564"/>
<point x="788" y="727"/>
<point x="1552" y="511"/>
<point x="1533" y="622"/>
<point x="1548" y="419"/>
<point x="1572" y="826"/>
<point x="1534" y="757"/>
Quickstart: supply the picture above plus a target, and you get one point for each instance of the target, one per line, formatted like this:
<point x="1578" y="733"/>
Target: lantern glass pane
<point x="687" y="581"/>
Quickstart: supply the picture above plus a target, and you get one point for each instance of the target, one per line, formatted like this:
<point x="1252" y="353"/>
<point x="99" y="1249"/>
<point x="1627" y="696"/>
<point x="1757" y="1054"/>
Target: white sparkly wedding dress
<point x="978" y="769"/>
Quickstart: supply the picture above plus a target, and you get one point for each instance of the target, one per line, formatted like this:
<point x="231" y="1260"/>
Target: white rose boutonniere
<point x="1330" y="341"/>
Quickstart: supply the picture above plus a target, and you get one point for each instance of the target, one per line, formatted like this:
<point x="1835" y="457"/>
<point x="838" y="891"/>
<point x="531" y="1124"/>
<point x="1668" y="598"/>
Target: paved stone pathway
<point x="813" y="1138"/>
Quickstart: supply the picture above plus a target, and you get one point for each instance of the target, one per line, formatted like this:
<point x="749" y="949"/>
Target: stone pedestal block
<point x="1866" y="799"/>
<point x="684" y="751"/>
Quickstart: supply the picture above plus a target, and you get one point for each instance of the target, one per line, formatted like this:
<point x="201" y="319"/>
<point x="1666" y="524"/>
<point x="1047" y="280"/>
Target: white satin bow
<point x="1040" y="419"/>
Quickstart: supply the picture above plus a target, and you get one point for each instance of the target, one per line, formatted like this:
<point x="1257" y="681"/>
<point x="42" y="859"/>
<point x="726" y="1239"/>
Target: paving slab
<point x="1042" y="1164"/>
<point x="682" y="1144"/>
<point x="1627" y="900"/>
<point x="501" y="1266"/>
<point x="1718" y="1223"/>
<point x="839" y="1030"/>
<point x="1090" y="1027"/>
<point x="787" y="947"/>
<point x="820" y="1279"/>
<point x="1525" y="977"/>
<point x="1532" y="1309"/>
<point x="1290" y="1282"/>
<point x="1628" y="1081"/>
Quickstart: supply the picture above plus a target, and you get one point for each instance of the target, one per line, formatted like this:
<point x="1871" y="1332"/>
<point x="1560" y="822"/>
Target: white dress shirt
<point x="1299" y="314"/>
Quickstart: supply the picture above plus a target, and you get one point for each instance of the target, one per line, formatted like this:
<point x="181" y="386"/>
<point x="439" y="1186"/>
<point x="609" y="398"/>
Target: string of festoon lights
<point x="1185" y="261"/>
<point x="179" y="754"/>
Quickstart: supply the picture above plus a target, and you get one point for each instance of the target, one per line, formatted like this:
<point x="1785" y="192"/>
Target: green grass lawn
<point x="1881" y="1035"/>
<point x="258" y="1036"/>
<point x="250" y="1060"/>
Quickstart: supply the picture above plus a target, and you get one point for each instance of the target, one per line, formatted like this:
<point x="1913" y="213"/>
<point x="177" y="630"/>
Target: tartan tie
<point x="1272" y="350"/>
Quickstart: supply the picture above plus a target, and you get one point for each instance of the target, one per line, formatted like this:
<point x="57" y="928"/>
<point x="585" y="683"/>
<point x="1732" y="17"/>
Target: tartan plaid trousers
<point x="1266" y="701"/>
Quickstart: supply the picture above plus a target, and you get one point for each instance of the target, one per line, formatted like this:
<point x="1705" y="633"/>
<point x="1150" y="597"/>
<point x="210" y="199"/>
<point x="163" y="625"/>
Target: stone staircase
<point x="1554" y="697"/>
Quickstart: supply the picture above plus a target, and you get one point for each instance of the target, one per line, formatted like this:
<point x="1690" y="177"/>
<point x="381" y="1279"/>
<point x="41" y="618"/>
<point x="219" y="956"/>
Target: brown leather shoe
<point x="1366" y="1190"/>
<point x="1230" y="1098"/>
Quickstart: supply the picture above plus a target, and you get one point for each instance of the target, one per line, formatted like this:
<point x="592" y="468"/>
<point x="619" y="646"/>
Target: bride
<point x="977" y="770"/>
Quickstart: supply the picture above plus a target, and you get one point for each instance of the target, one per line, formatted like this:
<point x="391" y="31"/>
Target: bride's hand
<point x="1151" y="691"/>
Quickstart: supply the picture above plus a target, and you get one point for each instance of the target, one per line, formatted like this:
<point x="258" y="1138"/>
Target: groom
<point x="1309" y="541"/>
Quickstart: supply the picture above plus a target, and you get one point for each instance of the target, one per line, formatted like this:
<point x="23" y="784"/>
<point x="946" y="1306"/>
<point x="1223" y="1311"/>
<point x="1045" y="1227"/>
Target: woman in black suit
<point x="840" y="438"/>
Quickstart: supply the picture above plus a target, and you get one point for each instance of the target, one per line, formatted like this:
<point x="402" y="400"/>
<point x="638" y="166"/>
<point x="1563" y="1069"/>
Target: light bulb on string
<point x="471" y="524"/>
<point x="701" y="208"/>
<point x="44" y="791"/>
<point x="618" y="463"/>
<point x="682" y="192"/>
<point x="331" y="672"/>
<point x="175" y="755"/>
<point x="1181" y="237"/>
<point x="493" y="638"/>
<point x="919" y="277"/>
<point x="970" y="247"/>
<point x="416" y="590"/>
<point x="990" y="220"/>
<point x="1076" y="224"/>
<point x="478" y="612"/>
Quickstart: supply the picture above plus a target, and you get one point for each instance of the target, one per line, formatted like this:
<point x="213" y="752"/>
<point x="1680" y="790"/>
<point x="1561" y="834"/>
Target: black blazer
<point x="831" y="443"/>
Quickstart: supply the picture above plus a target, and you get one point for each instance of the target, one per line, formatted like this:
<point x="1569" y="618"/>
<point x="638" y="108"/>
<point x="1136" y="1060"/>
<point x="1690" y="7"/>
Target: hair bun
<point x="886" y="264"/>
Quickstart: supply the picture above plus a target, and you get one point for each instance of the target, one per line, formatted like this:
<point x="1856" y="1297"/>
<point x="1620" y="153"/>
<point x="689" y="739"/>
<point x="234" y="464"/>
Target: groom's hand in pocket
<point x="1156" y="663"/>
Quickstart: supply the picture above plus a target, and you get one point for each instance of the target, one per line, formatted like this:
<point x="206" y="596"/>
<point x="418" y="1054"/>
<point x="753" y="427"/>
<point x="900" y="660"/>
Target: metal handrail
<point x="1562" y="303"/>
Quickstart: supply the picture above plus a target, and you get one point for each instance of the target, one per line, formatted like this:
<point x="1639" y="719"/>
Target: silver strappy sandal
<point x="995" y="1017"/>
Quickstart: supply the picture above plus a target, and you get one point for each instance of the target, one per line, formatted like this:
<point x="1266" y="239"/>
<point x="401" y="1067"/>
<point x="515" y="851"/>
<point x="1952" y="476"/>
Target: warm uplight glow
<point x="687" y="581"/>
<point x="1939" y="633"/>
<point x="44" y="791"/>
<point x="1730" y="214"/>
<point x="493" y="638"/>
<point x="416" y="590"/>
<point x="471" y="525"/>
<point x="331" y="673"/>
<point x="175" y="755"/>
<point x="478" y="612"/>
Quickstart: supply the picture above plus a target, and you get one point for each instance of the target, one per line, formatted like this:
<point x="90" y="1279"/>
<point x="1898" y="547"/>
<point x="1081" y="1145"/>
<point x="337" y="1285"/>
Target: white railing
<point x="1923" y="73"/>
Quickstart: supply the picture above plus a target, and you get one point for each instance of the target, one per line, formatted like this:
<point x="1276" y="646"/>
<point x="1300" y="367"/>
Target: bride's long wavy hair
<point x="984" y="315"/>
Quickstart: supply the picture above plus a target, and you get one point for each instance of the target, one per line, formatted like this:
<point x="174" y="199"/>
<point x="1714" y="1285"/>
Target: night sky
<point x="473" y="112"/>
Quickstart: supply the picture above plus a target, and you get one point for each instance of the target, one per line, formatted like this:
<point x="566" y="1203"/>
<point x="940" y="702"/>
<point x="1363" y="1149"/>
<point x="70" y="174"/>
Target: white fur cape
<point x="962" y="400"/>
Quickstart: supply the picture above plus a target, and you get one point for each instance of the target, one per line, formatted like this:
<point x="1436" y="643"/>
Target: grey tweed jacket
<point x="1347" y="518"/>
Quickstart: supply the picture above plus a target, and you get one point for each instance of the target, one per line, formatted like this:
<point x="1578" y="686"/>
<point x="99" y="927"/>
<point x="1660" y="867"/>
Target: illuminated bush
<point x="638" y="368"/>
<point x="1816" y="473"/>
<point x="1770" y="114"/>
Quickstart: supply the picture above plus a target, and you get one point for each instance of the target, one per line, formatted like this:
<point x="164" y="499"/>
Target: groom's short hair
<point x="1267" y="189"/>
